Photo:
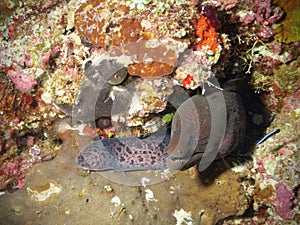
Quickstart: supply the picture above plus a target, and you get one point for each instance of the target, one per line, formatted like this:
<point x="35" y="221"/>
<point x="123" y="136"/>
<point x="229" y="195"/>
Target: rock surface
<point x="92" y="199"/>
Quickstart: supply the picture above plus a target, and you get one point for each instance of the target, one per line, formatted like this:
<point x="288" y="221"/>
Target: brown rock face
<point x="110" y="24"/>
<point x="153" y="69"/>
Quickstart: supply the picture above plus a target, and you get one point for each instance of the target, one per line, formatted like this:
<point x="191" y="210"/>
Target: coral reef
<point x="122" y="26"/>
<point x="262" y="15"/>
<point x="50" y="58"/>
<point x="144" y="102"/>
<point x="26" y="120"/>
<point x="193" y="71"/>
<point x="283" y="204"/>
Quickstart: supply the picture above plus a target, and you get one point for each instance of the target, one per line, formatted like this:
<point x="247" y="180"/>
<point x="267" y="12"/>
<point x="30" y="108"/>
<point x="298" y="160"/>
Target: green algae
<point x="261" y="82"/>
<point x="288" y="75"/>
<point x="168" y="118"/>
<point x="289" y="30"/>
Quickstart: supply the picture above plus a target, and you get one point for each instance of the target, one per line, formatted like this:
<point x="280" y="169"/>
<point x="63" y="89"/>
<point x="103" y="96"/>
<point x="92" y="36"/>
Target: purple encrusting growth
<point x="210" y="13"/>
<point x="283" y="202"/>
<point x="262" y="13"/>
<point x="265" y="12"/>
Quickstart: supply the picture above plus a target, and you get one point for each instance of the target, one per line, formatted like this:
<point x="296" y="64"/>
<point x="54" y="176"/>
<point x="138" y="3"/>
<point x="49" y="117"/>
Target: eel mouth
<point x="182" y="163"/>
<point x="176" y="163"/>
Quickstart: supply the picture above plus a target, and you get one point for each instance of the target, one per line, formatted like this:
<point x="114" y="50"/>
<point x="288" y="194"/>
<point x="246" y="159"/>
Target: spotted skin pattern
<point x="125" y="154"/>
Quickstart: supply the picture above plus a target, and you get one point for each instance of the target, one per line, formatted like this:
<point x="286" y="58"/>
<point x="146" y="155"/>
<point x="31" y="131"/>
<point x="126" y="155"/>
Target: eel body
<point x="203" y="129"/>
<point x="125" y="154"/>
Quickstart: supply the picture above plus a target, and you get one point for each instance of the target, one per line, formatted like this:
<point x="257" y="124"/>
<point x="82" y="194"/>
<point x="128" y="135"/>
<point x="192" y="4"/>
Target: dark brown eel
<point x="204" y="128"/>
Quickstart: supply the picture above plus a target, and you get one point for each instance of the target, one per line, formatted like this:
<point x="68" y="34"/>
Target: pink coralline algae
<point x="265" y="32"/>
<point x="263" y="15"/>
<point x="227" y="4"/>
<point x="23" y="81"/>
<point x="35" y="153"/>
<point x="267" y="65"/>
<point x="266" y="13"/>
<point x="248" y="18"/>
<point x="283" y="204"/>
<point x="45" y="59"/>
<point x="13" y="173"/>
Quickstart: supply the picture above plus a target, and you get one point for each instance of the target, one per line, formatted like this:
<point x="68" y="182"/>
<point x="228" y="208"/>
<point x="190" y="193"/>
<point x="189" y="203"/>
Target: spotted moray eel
<point x="203" y="128"/>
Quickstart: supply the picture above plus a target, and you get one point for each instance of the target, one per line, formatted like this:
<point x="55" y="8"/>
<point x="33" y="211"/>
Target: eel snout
<point x="221" y="121"/>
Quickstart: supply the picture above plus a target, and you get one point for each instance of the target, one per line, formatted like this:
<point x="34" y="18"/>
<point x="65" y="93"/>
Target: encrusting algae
<point x="113" y="23"/>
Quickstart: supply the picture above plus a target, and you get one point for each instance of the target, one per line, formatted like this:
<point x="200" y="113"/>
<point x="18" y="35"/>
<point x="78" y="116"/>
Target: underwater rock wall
<point x="46" y="49"/>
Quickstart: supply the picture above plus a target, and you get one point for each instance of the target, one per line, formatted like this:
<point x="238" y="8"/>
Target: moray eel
<point x="203" y="128"/>
<point x="125" y="154"/>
